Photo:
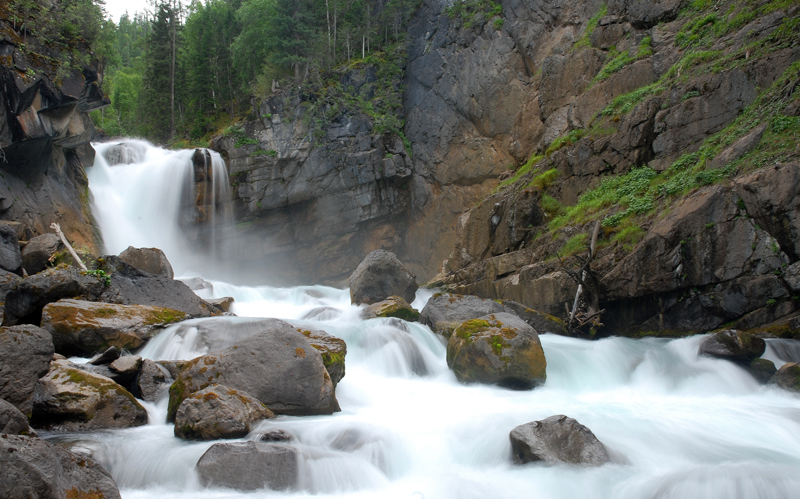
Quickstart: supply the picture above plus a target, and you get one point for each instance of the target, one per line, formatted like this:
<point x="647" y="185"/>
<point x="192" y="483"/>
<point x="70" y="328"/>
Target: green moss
<point x="585" y="39"/>
<point x="165" y="316"/>
<point x="522" y="170"/>
<point x="470" y="328"/>
<point x="400" y="312"/>
<point x="544" y="180"/>
<point x="575" y="244"/>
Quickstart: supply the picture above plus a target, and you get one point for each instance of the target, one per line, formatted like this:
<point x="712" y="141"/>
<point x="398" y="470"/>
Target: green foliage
<point x="244" y="141"/>
<point x="522" y="170"/>
<point x="570" y="138"/>
<point x="100" y="275"/>
<point x="544" y="180"/>
<point x="469" y="12"/>
<point x="574" y="245"/>
<point x="585" y="40"/>
<point x="551" y="206"/>
<point x="629" y="236"/>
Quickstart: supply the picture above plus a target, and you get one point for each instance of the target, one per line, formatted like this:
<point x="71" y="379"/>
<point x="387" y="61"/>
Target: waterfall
<point x="677" y="425"/>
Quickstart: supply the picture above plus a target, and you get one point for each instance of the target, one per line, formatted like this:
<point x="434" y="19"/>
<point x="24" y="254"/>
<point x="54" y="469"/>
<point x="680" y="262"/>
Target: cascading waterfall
<point x="676" y="425"/>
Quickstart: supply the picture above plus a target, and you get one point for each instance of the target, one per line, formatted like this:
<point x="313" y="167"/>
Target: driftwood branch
<point x="583" y="274"/>
<point x="57" y="228"/>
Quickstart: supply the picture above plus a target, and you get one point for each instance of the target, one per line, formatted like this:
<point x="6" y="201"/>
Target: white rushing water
<point x="676" y="425"/>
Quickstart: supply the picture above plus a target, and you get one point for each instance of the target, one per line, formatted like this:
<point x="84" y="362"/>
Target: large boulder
<point x="25" y="353"/>
<point x="70" y="399"/>
<point x="788" y="377"/>
<point x="131" y="286"/>
<point x="38" y="251"/>
<point x="10" y="257"/>
<point x="218" y="412"/>
<point x="394" y="306"/>
<point x="557" y="440"/>
<point x="153" y="380"/>
<point x="497" y="349"/>
<point x="151" y="260"/>
<point x="250" y="466"/>
<point x="444" y="312"/>
<point x="277" y="366"/>
<point x="736" y="346"/>
<point x="379" y="276"/>
<point x="332" y="349"/>
<point x="35" y="468"/>
<point x="12" y="421"/>
<point x="84" y="328"/>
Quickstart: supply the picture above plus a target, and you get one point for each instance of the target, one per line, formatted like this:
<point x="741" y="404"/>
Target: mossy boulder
<point x="218" y="412"/>
<point x="69" y="399"/>
<point x="444" y="312"/>
<point x="497" y="349"/>
<point x="735" y="346"/>
<point x="394" y="306"/>
<point x="788" y="377"/>
<point x="332" y="349"/>
<point x="278" y="366"/>
<point x="83" y="328"/>
<point x="762" y="370"/>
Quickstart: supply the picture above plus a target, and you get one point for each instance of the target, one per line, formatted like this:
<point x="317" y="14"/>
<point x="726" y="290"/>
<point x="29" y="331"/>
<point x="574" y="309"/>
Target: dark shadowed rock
<point x="445" y="311"/>
<point x="277" y="435"/>
<point x="131" y="286"/>
<point x="762" y="370"/>
<point x="539" y="321"/>
<point x="644" y="14"/>
<point x="7" y="281"/>
<point x="69" y="399"/>
<point x="736" y="346"/>
<point x="12" y="421"/>
<point x="249" y="466"/>
<point x="151" y="260"/>
<point x="25" y="353"/>
<point x="379" y="276"/>
<point x="332" y="349"/>
<point x="38" y="251"/>
<point x="278" y="367"/>
<point x="125" y="369"/>
<point x="497" y="349"/>
<point x="788" y="377"/>
<point x="222" y="304"/>
<point x="394" y="306"/>
<point x="218" y="412"/>
<point x="83" y="328"/>
<point x="557" y="440"/>
<point x="153" y="380"/>
<point x="10" y="257"/>
<point x="35" y="468"/>
<point x="107" y="357"/>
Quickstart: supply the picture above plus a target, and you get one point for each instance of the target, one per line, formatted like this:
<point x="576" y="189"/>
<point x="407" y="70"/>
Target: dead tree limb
<point x="583" y="275"/>
<point x="57" y="228"/>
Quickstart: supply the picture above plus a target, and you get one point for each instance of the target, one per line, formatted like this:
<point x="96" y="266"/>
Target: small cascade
<point x="780" y="351"/>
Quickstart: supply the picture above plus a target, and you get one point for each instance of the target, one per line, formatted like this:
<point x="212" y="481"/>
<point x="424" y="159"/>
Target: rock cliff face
<point x="44" y="138"/>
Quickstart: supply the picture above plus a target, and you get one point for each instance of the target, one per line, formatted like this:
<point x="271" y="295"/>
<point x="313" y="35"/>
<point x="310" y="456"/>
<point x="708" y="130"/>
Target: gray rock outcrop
<point x="25" y="353"/>
<point x="787" y="377"/>
<point x="250" y="466"/>
<point x="151" y="260"/>
<point x="736" y="346"/>
<point x="557" y="440"/>
<point x="10" y="257"/>
<point x="12" y="421"/>
<point x="37" y="253"/>
<point x="379" y="276"/>
<point x="218" y="412"/>
<point x="153" y="380"/>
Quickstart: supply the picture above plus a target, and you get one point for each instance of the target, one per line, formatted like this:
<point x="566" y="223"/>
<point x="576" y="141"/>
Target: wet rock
<point x="332" y="349"/>
<point x="83" y="328"/>
<point x="151" y="260"/>
<point x="12" y="421"/>
<point x="394" y="306"/>
<point x="197" y="283"/>
<point x="276" y="436"/>
<point x="736" y="346"/>
<point x="125" y="370"/>
<point x="278" y="367"/>
<point x="37" y="253"/>
<point x="107" y="357"/>
<point x="222" y="304"/>
<point x="444" y="312"/>
<point x="153" y="380"/>
<point x="35" y="468"/>
<point x="10" y="257"/>
<point x="249" y="466"/>
<point x="25" y="353"/>
<point x="787" y="377"/>
<point x="131" y="286"/>
<point x="218" y="412"/>
<point x="537" y="320"/>
<point x="379" y="276"/>
<point x="762" y="370"/>
<point x="497" y="349"/>
<point x="69" y="399"/>
<point x="557" y="440"/>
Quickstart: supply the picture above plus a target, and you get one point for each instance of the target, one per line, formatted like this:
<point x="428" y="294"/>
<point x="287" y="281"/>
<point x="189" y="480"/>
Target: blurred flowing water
<point x="676" y="425"/>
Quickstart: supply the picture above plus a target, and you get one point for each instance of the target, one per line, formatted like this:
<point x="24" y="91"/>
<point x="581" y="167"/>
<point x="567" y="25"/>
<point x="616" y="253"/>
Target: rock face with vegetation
<point x="497" y="349"/>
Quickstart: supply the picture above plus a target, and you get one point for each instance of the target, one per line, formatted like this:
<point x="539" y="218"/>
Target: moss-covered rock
<point x="762" y="370"/>
<point x="394" y="306"/>
<point x="733" y="345"/>
<point x="444" y="312"/>
<point x="218" y="412"/>
<point x="788" y="377"/>
<point x="497" y="349"/>
<point x="332" y="349"/>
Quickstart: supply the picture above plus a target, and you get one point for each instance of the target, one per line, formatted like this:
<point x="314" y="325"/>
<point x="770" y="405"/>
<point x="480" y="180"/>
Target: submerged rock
<point x="151" y="260"/>
<point x="788" y="377"/>
<point x="557" y="440"/>
<point x="38" y="251"/>
<point x="379" y="276"/>
<point x="394" y="306"/>
<point x="249" y="466"/>
<point x="497" y="349"/>
<point x="277" y="366"/>
<point x="762" y="370"/>
<point x="69" y="399"/>
<point x="83" y="328"/>
<point x="25" y="353"/>
<point x="736" y="346"/>
<point x="445" y="311"/>
<point x="218" y="412"/>
<point x="35" y="468"/>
